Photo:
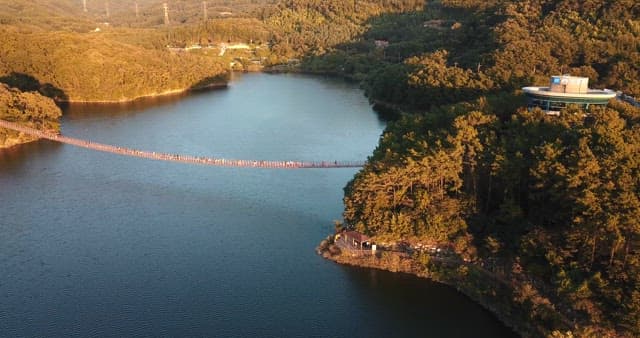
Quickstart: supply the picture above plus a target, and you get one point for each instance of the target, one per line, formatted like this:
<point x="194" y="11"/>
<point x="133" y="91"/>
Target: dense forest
<point x="558" y="195"/>
<point x="85" y="67"/>
<point x="463" y="165"/>
<point x="74" y="58"/>
<point x="476" y="47"/>
<point x="490" y="46"/>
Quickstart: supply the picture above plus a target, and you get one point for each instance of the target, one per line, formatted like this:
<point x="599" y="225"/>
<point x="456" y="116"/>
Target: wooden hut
<point x="355" y="240"/>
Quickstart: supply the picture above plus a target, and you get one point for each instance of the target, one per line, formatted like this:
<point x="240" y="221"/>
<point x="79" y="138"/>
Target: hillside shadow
<point x="464" y="32"/>
<point x="211" y="82"/>
<point x="377" y="57"/>
<point x="81" y="110"/>
<point x="14" y="160"/>
<point x="28" y="83"/>
<point x="417" y="302"/>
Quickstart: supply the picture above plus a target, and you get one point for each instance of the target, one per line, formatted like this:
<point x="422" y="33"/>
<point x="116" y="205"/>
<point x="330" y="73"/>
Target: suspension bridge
<point x="210" y="161"/>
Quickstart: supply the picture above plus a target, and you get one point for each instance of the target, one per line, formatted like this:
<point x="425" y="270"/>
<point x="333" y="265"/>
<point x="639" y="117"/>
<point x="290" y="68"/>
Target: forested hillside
<point x="89" y="67"/>
<point x="485" y="46"/>
<point x="312" y="27"/>
<point x="62" y="51"/>
<point x="467" y="167"/>
<point x="45" y="14"/>
<point x="558" y="195"/>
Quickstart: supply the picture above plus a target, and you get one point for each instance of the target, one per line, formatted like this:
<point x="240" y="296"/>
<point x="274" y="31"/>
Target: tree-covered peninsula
<point x="539" y="214"/>
<point x="29" y="108"/>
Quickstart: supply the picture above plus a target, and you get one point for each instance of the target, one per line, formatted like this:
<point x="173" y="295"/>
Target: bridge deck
<point x="211" y="161"/>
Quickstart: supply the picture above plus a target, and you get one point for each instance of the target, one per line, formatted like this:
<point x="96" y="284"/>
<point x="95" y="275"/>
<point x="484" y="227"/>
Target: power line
<point x="166" y="13"/>
<point x="204" y="10"/>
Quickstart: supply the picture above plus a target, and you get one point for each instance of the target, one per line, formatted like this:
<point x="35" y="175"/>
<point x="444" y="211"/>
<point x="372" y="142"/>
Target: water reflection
<point x="14" y="159"/>
<point x="95" y="244"/>
<point x="73" y="111"/>
<point x="413" y="301"/>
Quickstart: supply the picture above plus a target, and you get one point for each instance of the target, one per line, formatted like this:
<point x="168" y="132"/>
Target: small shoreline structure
<point x="564" y="90"/>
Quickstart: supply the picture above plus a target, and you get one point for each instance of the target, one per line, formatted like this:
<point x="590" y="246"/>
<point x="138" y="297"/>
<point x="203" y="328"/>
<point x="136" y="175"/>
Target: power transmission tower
<point x="166" y="13"/>
<point x="106" y="6"/>
<point x="137" y="11"/>
<point x="204" y="10"/>
<point x="84" y="5"/>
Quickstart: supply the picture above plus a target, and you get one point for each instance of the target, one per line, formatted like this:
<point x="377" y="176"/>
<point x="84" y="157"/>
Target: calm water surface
<point x="94" y="244"/>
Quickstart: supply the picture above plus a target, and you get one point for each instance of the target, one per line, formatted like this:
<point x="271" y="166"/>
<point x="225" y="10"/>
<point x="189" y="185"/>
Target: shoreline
<point x="170" y="92"/>
<point x="173" y="92"/>
<point x="16" y="141"/>
<point x="502" y="297"/>
<point x="19" y="143"/>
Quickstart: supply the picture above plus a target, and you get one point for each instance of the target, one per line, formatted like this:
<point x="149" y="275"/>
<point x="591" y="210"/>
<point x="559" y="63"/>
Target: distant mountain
<point x="71" y="14"/>
<point x="93" y="67"/>
<point x="58" y="49"/>
<point x="148" y="13"/>
<point x="45" y="14"/>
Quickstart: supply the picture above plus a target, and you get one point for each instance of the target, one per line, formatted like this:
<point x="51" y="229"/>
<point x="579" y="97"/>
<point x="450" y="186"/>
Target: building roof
<point x="360" y="237"/>
<point x="589" y="95"/>
<point x="570" y="88"/>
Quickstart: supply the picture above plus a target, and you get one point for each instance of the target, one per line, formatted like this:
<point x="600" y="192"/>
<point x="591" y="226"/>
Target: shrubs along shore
<point x="29" y="108"/>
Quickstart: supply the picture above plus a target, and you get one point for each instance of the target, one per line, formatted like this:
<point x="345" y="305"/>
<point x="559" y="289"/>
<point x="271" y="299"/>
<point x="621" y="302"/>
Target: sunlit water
<point x="93" y="244"/>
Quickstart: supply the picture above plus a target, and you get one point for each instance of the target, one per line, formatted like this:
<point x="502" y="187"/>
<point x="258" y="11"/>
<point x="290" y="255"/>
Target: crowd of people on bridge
<point x="174" y="157"/>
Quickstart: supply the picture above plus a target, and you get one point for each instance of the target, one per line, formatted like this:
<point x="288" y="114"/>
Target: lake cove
<point x="106" y="245"/>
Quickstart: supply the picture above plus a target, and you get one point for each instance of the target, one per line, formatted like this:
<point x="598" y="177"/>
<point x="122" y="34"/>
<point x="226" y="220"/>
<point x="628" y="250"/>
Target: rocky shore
<point x="516" y="304"/>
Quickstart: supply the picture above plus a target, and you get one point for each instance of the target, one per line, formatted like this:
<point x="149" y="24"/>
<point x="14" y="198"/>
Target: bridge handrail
<point x="211" y="161"/>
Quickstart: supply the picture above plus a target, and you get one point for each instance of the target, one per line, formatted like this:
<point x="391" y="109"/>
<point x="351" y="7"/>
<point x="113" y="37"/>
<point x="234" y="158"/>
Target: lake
<point x="95" y="244"/>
